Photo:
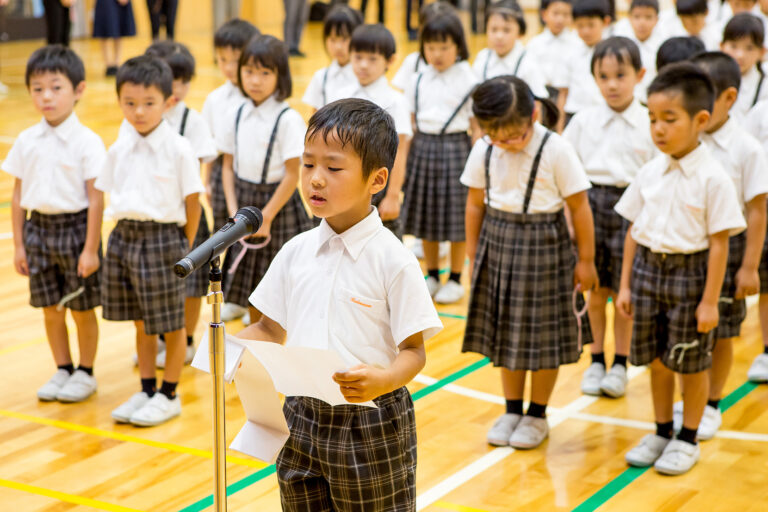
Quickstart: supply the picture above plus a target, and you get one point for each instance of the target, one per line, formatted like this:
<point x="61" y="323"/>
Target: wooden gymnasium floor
<point x="56" y="457"/>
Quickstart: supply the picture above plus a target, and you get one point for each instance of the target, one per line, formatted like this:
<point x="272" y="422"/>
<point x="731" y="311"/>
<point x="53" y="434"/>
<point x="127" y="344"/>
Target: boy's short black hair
<point x="177" y="56"/>
<point x="148" y="71"/>
<point x="677" y="49"/>
<point x="444" y="27"/>
<point x="374" y="39"/>
<point x="234" y="34"/>
<point x="509" y="10"/>
<point x="722" y="69"/>
<point x="653" y="4"/>
<point x="690" y="81"/>
<point x="691" y="7"/>
<point x="56" y="58"/>
<point x="362" y="126"/>
<point x="546" y="3"/>
<point x="591" y="9"/>
<point x="271" y="53"/>
<point x="745" y="25"/>
<point x="341" y="20"/>
<point x="624" y="49"/>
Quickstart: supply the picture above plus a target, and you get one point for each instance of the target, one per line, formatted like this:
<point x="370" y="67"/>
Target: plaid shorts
<point x="666" y="290"/>
<point x="289" y="222"/>
<point x="196" y="284"/>
<point x="139" y="283"/>
<point x="218" y="201"/>
<point x="53" y="244"/>
<point x="763" y="270"/>
<point x="435" y="199"/>
<point x="732" y="311"/>
<point x="349" y="457"/>
<point x="521" y="304"/>
<point x="610" y="231"/>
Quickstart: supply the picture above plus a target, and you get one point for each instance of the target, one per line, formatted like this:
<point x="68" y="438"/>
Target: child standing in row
<point x="550" y="49"/>
<point x="262" y="149"/>
<point x="641" y="28"/>
<point x="743" y="39"/>
<point x="519" y="180"/>
<point x="55" y="164"/>
<point x="438" y="97"/>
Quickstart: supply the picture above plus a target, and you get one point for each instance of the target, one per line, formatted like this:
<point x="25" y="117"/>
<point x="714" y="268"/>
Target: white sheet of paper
<point x="233" y="352"/>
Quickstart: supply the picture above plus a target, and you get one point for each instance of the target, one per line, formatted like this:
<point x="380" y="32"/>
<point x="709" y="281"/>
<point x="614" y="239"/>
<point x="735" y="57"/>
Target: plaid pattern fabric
<point x="732" y="311"/>
<point x="348" y="457"/>
<point x="610" y="232"/>
<point x="218" y="201"/>
<point x="139" y="283"/>
<point x="435" y="199"/>
<point x="196" y="284"/>
<point x="666" y="290"/>
<point x="53" y="244"/>
<point x="520" y="308"/>
<point x="289" y="222"/>
<point x="763" y="269"/>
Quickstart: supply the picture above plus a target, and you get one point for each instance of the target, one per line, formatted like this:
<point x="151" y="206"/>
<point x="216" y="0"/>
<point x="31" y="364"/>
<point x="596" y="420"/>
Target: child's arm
<point x="282" y="194"/>
<point x="585" y="273"/>
<point x="389" y="208"/>
<point x="624" y="299"/>
<point x="18" y="216"/>
<point x="228" y="183"/>
<point x="473" y="222"/>
<point x="193" y="210"/>
<point x="207" y="172"/>
<point x="89" y="258"/>
<point x="265" y="329"/>
<point x="747" y="278"/>
<point x="562" y="96"/>
<point x="362" y="383"/>
<point x="707" y="314"/>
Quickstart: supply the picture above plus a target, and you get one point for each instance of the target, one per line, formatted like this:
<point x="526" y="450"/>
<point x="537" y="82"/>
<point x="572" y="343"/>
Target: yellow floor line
<point x="22" y="345"/>
<point x="127" y="438"/>
<point x="69" y="498"/>
<point x="458" y="508"/>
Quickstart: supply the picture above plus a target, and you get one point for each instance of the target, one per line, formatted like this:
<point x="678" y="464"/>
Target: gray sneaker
<point x="645" y="454"/>
<point x="49" y="390"/>
<point x="614" y="384"/>
<point x="758" y="372"/>
<point x="502" y="430"/>
<point x="79" y="387"/>
<point x="593" y="376"/>
<point x="678" y="458"/>
<point x="530" y="433"/>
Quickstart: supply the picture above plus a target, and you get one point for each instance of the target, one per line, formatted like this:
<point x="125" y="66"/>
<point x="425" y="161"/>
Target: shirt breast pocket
<point x="359" y="318"/>
<point x="164" y="186"/>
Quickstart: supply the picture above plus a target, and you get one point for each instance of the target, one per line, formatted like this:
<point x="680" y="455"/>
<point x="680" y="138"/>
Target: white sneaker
<point x="157" y="410"/>
<point x="124" y="412"/>
<point x="710" y="423"/>
<point x="188" y="356"/>
<point x="418" y="249"/>
<point x="677" y="416"/>
<point x="49" y="390"/>
<point x="614" y="384"/>
<point x="433" y="285"/>
<point x="443" y="249"/>
<point x="502" y="430"/>
<point x="231" y="312"/>
<point x="758" y="372"/>
<point x="529" y="433"/>
<point x="160" y="350"/>
<point x="644" y="454"/>
<point x="593" y="376"/>
<point x="246" y="318"/>
<point x="678" y="458"/>
<point x="79" y="387"/>
<point x="450" y="293"/>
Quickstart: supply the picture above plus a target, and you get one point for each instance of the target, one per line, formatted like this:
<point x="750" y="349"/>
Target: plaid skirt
<point x="53" y="244"/>
<point x="435" y="199"/>
<point x="218" y="201"/>
<point x="521" y="303"/>
<point x="289" y="222"/>
<point x="763" y="269"/>
<point x="139" y="282"/>
<point x="348" y="457"/>
<point x="666" y="290"/>
<point x="610" y="232"/>
<point x="732" y="311"/>
<point x="197" y="283"/>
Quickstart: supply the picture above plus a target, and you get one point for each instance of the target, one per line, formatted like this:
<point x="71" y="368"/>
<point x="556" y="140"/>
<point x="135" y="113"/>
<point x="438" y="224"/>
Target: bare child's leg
<point x="117" y="49"/>
<point x="175" y="351"/>
<point x="542" y="384"/>
<point x="763" y="313"/>
<point x="622" y="332"/>
<point x="458" y="254"/>
<point x="192" y="307"/>
<point x="87" y="336"/>
<point x="597" y="318"/>
<point x="662" y="391"/>
<point x="513" y="384"/>
<point x="431" y="254"/>
<point x="696" y="387"/>
<point x="58" y="337"/>
<point x="146" y="348"/>
<point x="722" y="360"/>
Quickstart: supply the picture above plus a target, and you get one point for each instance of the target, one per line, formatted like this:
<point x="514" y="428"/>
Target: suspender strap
<point x="488" y="174"/>
<point x="416" y="102"/>
<point x="534" y="172"/>
<point x="237" y="129"/>
<point x="325" y="81"/>
<point x="450" y="119"/>
<point x="183" y="127"/>
<point x="485" y="67"/>
<point x="456" y="112"/>
<point x="759" y="84"/>
<point x="418" y="62"/>
<point x="517" y="66"/>
<point x="272" y="138"/>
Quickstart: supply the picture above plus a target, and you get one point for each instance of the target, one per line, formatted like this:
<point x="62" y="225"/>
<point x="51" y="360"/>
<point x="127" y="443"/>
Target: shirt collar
<point x="631" y="115"/>
<point x="690" y="162"/>
<point x="533" y="145"/>
<point x="723" y="137"/>
<point x="377" y="88"/>
<point x="355" y="238"/>
<point x="63" y="130"/>
<point x="267" y="110"/>
<point x="511" y="58"/>
<point x="154" y="140"/>
<point x="177" y="111"/>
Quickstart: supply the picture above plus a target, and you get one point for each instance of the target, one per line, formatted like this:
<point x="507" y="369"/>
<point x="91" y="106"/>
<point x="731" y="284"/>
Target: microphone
<point x="246" y="221"/>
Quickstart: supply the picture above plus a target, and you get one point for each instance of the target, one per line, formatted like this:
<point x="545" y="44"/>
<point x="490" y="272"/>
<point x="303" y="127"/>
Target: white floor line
<point x="6" y="236"/>
<point x="496" y="455"/>
<point x="4" y="139"/>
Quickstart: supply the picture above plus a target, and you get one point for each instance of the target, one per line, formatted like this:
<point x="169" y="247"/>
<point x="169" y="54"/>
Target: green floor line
<point x="451" y="315"/>
<point x="609" y="490"/>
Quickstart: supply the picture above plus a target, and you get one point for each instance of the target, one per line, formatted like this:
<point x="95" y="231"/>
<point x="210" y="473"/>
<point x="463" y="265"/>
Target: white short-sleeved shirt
<point x="359" y="293"/>
<point x="253" y="134"/>
<point x="560" y="174"/>
<point x="328" y="84"/>
<point x="218" y="106"/>
<point x="53" y="164"/>
<point x="675" y="205"/>
<point x="742" y="157"/>
<point x="440" y="94"/>
<point x="196" y="131"/>
<point x="582" y="88"/>
<point x="518" y="62"/>
<point x="756" y="123"/>
<point x="671" y="26"/>
<point x="386" y="97"/>
<point x="149" y="177"/>
<point x="550" y="53"/>
<point x="748" y="91"/>
<point x="612" y="145"/>
<point x="412" y="64"/>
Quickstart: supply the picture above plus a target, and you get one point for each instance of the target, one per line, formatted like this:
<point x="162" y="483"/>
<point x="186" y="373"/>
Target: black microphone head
<point x="183" y="268"/>
<point x="252" y="217"/>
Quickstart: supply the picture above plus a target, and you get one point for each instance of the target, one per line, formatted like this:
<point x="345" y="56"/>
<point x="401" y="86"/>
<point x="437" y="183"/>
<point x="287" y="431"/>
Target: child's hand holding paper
<point x="362" y="383"/>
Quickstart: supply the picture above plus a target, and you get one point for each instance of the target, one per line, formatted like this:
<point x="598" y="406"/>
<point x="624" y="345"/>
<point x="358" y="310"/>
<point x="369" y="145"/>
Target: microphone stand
<point x="216" y="359"/>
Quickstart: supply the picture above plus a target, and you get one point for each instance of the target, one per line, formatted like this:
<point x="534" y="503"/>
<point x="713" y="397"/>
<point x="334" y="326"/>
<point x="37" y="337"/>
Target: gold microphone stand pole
<point x="216" y="358"/>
